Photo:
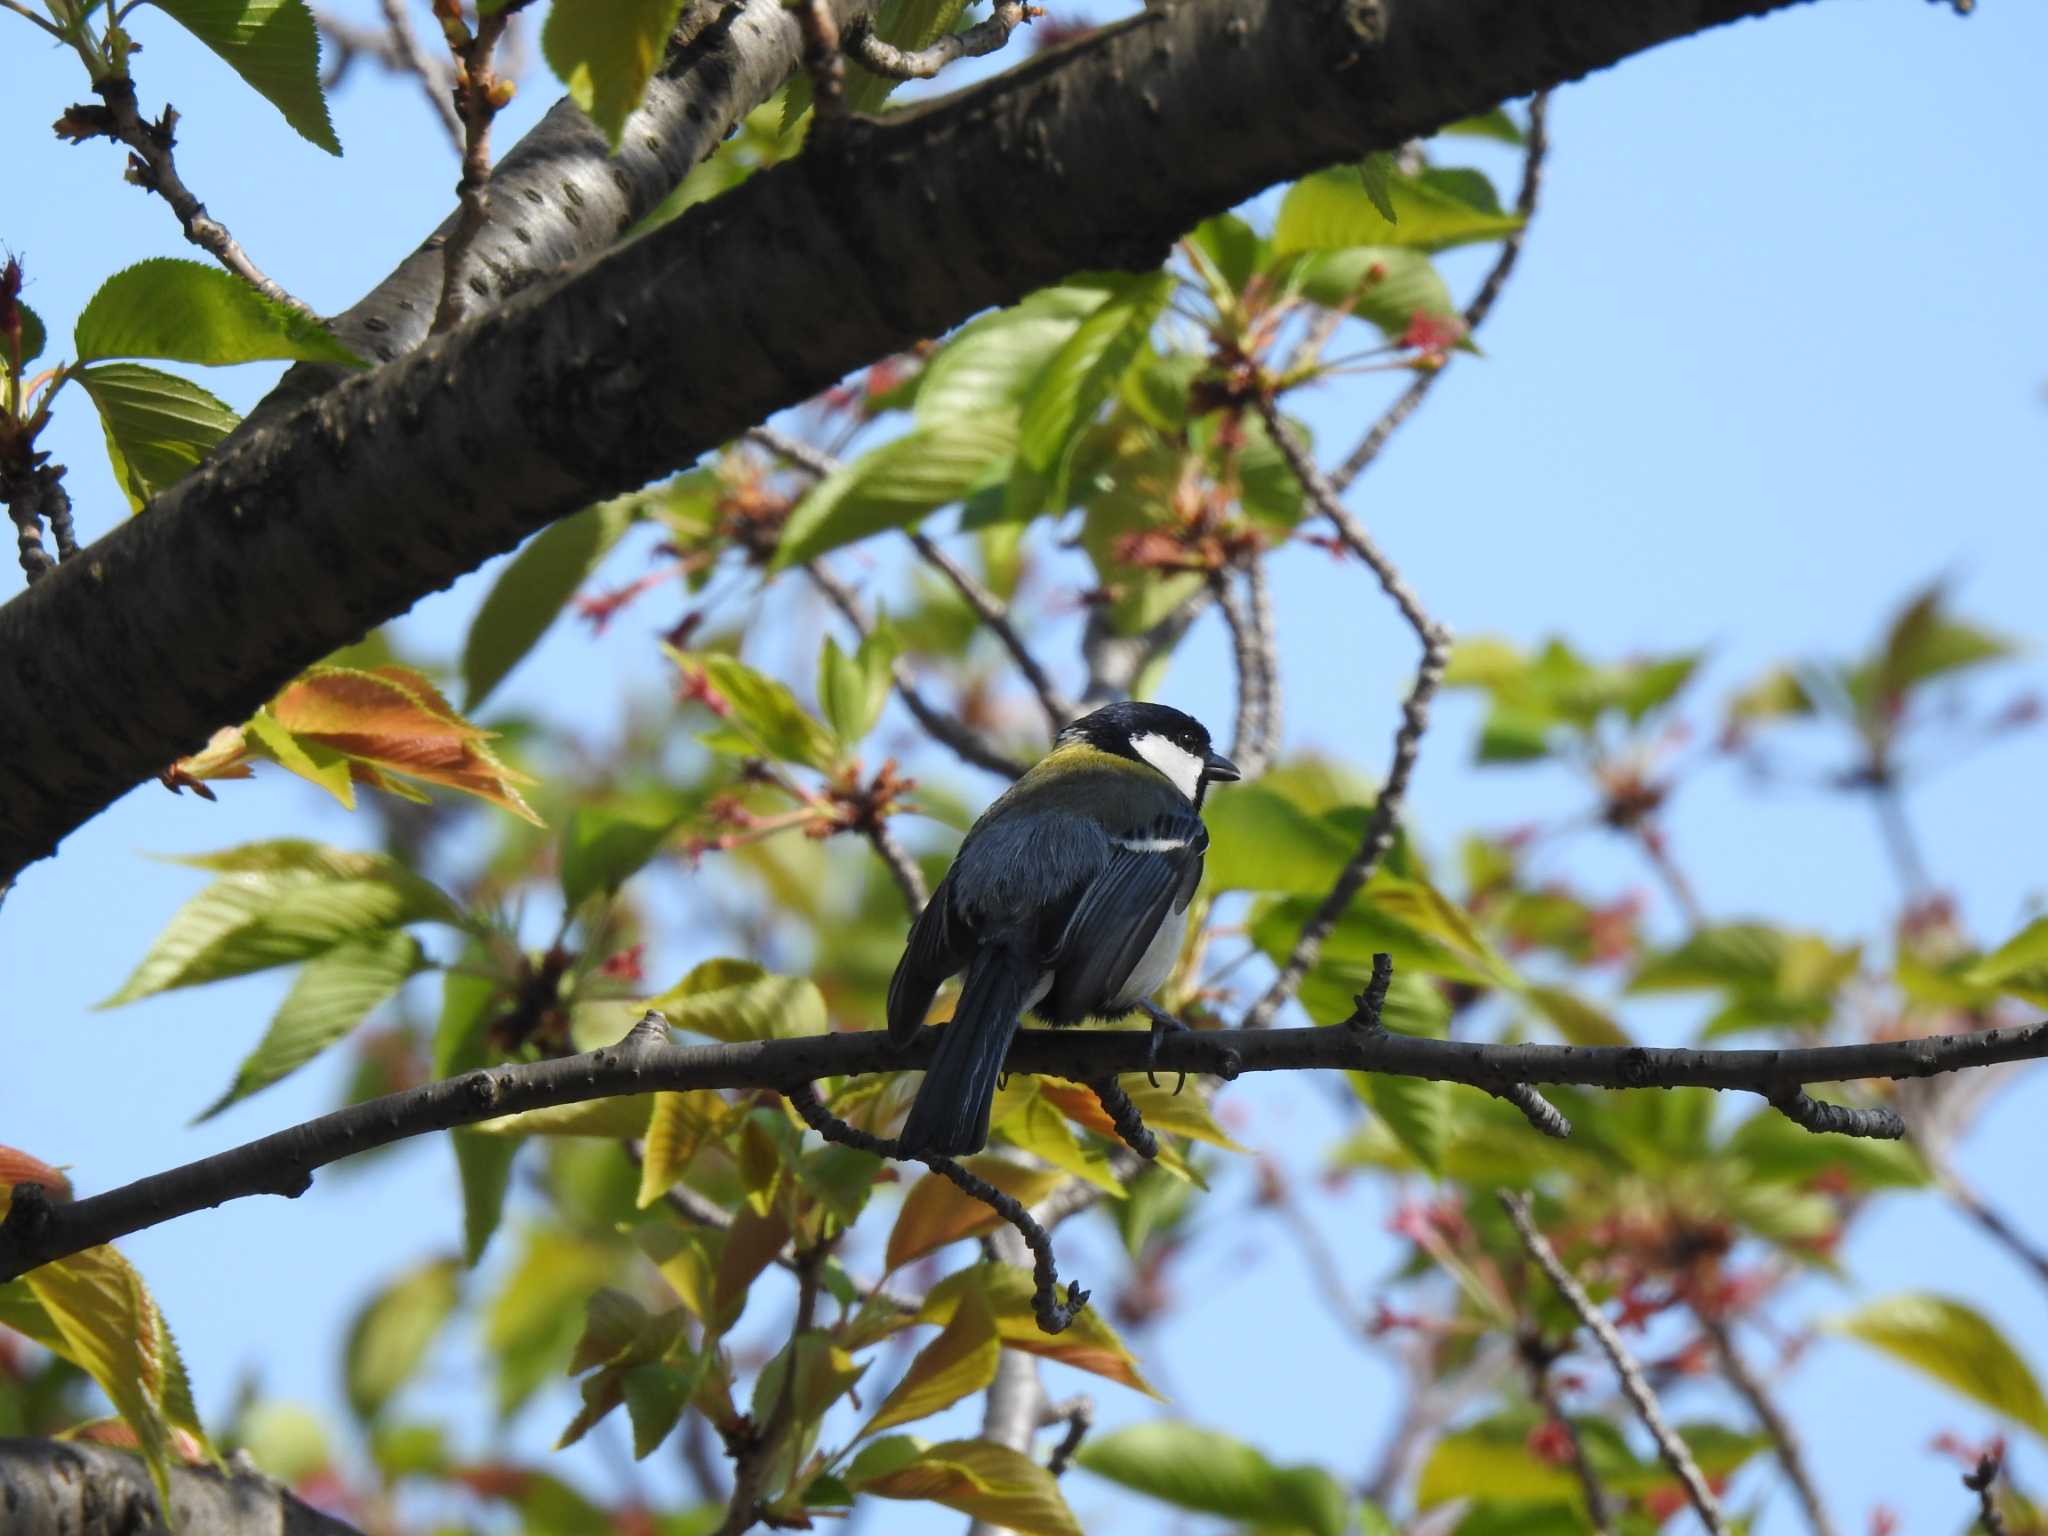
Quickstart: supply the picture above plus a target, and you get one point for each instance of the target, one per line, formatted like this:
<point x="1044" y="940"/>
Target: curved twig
<point x="893" y="63"/>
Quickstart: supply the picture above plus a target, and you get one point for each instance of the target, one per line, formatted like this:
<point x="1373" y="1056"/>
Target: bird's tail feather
<point x="950" y="1115"/>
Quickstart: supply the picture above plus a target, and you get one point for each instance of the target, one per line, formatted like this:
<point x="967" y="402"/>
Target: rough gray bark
<point x="58" y="1488"/>
<point x="304" y="536"/>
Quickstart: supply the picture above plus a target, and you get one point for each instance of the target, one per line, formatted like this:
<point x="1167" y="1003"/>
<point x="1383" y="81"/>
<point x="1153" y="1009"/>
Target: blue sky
<point x="1777" y="354"/>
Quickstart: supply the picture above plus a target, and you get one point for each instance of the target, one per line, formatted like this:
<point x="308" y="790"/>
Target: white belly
<point x="1156" y="964"/>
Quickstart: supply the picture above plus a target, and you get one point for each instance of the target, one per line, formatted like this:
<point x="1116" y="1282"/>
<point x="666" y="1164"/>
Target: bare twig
<point x="1537" y="1359"/>
<point x="1669" y="1446"/>
<point x="1255" y="734"/>
<point x="1379" y="827"/>
<point x="995" y="613"/>
<point x="479" y="96"/>
<point x="1899" y="841"/>
<point x="1078" y="1414"/>
<point x="396" y="48"/>
<point x="1054" y="1312"/>
<point x="37" y="1230"/>
<point x="821" y="58"/>
<point x="902" y="867"/>
<point x="1537" y="146"/>
<point x="893" y="63"/>
<point x="153" y="166"/>
<point x="1984" y="1483"/>
<point x="1784" y="1440"/>
<point x="1650" y="839"/>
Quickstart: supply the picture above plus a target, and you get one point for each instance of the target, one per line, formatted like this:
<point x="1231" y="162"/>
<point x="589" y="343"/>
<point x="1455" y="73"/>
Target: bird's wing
<point x="1148" y="875"/>
<point x="941" y="943"/>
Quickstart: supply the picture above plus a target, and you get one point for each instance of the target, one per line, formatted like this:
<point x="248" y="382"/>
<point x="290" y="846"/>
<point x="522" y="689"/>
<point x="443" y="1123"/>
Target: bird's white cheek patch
<point x="1171" y="759"/>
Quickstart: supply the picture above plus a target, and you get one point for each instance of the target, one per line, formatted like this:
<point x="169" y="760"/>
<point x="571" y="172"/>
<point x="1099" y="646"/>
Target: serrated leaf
<point x="1072" y="387"/>
<point x="1088" y="1344"/>
<point x="735" y="1000"/>
<point x="1332" y="209"/>
<point x="988" y="1481"/>
<point x="1957" y="1346"/>
<point x="157" y="425"/>
<point x="255" y="917"/>
<point x="1030" y="1122"/>
<point x="185" y="312"/>
<point x="1376" y="175"/>
<point x="988" y="366"/>
<point x="275" y="47"/>
<point x="605" y="52"/>
<point x="389" y="1337"/>
<point x="93" y="1309"/>
<point x="677" y="1129"/>
<point x="937" y="1211"/>
<point x="605" y="845"/>
<point x="759" y="708"/>
<point x="531" y="592"/>
<point x="331" y="995"/>
<point x="898" y="484"/>
<point x="1211" y="1473"/>
<point x="961" y="1360"/>
<point x="1418" y="1111"/>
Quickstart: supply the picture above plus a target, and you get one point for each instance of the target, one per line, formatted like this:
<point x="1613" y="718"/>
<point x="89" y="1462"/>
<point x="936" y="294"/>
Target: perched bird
<point x="1069" y="899"/>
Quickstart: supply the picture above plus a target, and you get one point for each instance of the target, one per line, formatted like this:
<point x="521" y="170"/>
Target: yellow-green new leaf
<point x="759" y="708"/>
<point x="605" y="52"/>
<point x="1956" y="1345"/>
<point x="1211" y="1473"/>
<point x="274" y="46"/>
<point x="988" y="1481"/>
<point x="530" y="593"/>
<point x="961" y="1360"/>
<point x="734" y="1000"/>
<point x="1089" y="1344"/>
<point x="898" y="484"/>
<point x="1332" y="209"/>
<point x="676" y="1130"/>
<point x="389" y="1339"/>
<point x="333" y="993"/>
<point x="186" y="312"/>
<point x="157" y="425"/>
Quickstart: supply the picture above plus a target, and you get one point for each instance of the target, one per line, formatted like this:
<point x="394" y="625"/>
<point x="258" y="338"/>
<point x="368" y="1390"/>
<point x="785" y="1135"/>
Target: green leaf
<point x="735" y="1000"/>
<point x="605" y="845"/>
<point x="190" y="313"/>
<point x="989" y="365"/>
<point x="852" y="690"/>
<point x="1956" y="1345"/>
<point x="332" y="995"/>
<point x="977" y="1477"/>
<point x="1576" y="1019"/>
<point x="278" y="903"/>
<point x="1381" y="284"/>
<point x="1259" y="840"/>
<point x="461" y="1042"/>
<point x="1332" y="209"/>
<point x="33" y="338"/>
<point x="275" y="47"/>
<point x="158" y="426"/>
<point x="1066" y="395"/>
<point x="530" y="593"/>
<point x="898" y="484"/>
<point x="1495" y="125"/>
<point x="1232" y="248"/>
<point x="961" y="1360"/>
<point x="1923" y="643"/>
<point x="761" y="709"/>
<point x="1418" y="1111"/>
<point x="1728" y="955"/>
<point x="1376" y="175"/>
<point x="2025" y="951"/>
<point x="605" y="52"/>
<point x="389" y="1338"/>
<point x="1210" y="1473"/>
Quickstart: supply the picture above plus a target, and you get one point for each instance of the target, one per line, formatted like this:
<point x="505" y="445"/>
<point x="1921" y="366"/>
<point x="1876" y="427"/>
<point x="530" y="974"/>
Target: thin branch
<point x="395" y="47"/>
<point x="479" y="96"/>
<point x="1078" y="1414"/>
<point x="902" y="867"/>
<point x="1994" y="1223"/>
<point x="1054" y="1312"/>
<point x="37" y="1230"/>
<point x="1984" y="1483"/>
<point x="995" y="613"/>
<point x="1537" y="1358"/>
<point x="1899" y="841"/>
<point x="1651" y="840"/>
<point x="757" y="1459"/>
<point x="821" y="59"/>
<point x="42" y="21"/>
<point x="967" y="744"/>
<point x="1254" y="735"/>
<point x="1537" y="146"/>
<point x="1669" y="1446"/>
<point x="153" y="166"/>
<point x="1784" y="1440"/>
<point x="893" y="63"/>
<point x="1379" y="827"/>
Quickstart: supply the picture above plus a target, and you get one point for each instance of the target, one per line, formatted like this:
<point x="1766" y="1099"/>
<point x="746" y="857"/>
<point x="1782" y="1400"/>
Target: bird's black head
<point x="1175" y="744"/>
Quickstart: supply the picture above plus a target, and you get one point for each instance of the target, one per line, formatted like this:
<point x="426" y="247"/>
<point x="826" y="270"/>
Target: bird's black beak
<point x="1218" y="769"/>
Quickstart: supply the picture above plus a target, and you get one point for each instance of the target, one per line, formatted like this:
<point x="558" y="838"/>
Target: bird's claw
<point x="1163" y="1024"/>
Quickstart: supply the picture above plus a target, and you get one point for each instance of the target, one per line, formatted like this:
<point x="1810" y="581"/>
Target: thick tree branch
<point x="37" y="1231"/>
<point x="67" y="1488"/>
<point x="596" y="381"/>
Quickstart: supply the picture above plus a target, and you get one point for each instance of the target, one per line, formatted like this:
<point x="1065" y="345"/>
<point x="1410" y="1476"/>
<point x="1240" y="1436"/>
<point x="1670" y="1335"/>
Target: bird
<point x="1068" y="899"/>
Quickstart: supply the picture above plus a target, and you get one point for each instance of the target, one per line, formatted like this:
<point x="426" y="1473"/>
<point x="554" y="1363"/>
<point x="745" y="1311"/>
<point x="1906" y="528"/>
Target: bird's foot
<point x="1163" y="1024"/>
